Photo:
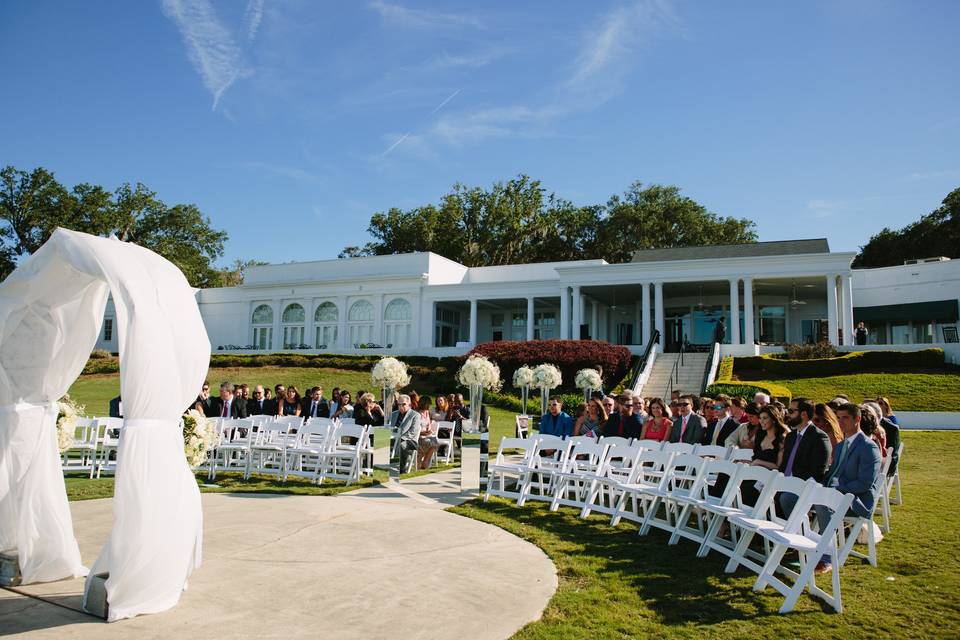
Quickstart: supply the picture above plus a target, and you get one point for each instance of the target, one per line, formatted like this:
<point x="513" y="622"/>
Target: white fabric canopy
<point x="51" y="308"/>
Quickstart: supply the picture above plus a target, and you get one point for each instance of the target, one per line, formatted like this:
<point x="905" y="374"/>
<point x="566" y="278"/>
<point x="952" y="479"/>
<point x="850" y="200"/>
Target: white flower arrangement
<point x="390" y="373"/>
<point x="588" y="379"/>
<point x="547" y="376"/>
<point x="523" y="377"/>
<point x="67" y="413"/>
<point x="199" y="437"/>
<point x="479" y="371"/>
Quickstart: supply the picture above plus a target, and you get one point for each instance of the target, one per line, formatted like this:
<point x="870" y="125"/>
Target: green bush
<point x="772" y="366"/>
<point x="748" y="389"/>
<point x="816" y="351"/>
<point x="725" y="370"/>
<point x="100" y="354"/>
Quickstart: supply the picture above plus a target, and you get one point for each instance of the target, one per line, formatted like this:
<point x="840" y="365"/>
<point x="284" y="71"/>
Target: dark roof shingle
<point x="755" y="249"/>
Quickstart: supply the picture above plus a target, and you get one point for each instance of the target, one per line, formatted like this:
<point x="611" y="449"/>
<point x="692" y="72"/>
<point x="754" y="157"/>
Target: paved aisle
<point x="371" y="564"/>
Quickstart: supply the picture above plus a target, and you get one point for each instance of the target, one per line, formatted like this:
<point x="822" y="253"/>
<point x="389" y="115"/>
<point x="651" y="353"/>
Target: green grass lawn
<point x="616" y="584"/>
<point x="906" y="391"/>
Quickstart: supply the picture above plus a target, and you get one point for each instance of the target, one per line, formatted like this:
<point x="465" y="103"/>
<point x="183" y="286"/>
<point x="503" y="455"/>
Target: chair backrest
<point x="711" y="451"/>
<point x="576" y="439"/>
<point x="615" y="441"/>
<point x="585" y="455"/>
<point x="712" y="471"/>
<point x="650" y="467"/>
<point x="354" y="431"/>
<point x="345" y="421"/>
<point x="684" y="472"/>
<point x="522" y="423"/>
<point x="318" y="432"/>
<point x="315" y="421"/>
<point x="766" y="505"/>
<point x="111" y="424"/>
<point x="527" y="445"/>
<point x="229" y="429"/>
<point x="262" y="419"/>
<point x="296" y="421"/>
<point x="832" y="499"/>
<point x="655" y="445"/>
<point x="881" y="486"/>
<point x="558" y="445"/>
<point x="678" y="447"/>
<point x="739" y="454"/>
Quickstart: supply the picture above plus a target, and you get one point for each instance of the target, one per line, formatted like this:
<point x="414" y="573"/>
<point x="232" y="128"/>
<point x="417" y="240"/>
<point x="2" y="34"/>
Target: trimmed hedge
<point x="725" y="370"/>
<point x="569" y="355"/>
<point x="748" y="389"/>
<point x="776" y="366"/>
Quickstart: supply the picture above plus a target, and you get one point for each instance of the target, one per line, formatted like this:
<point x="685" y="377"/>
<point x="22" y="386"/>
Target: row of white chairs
<point x="95" y="442"/>
<point x="669" y="488"/>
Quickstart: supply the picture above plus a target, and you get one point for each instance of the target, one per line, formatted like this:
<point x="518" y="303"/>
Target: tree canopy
<point x="34" y="204"/>
<point x="518" y="222"/>
<point x="935" y="234"/>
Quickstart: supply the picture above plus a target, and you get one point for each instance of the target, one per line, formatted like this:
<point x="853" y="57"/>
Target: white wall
<point x="906" y="283"/>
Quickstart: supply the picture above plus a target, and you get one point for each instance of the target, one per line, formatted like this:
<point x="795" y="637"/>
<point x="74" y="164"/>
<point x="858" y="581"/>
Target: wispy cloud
<point x="824" y="208"/>
<point x="445" y="101"/>
<point x="422" y="18"/>
<point x="293" y="173"/>
<point x="469" y="61"/>
<point x="931" y="175"/>
<point x="211" y="46"/>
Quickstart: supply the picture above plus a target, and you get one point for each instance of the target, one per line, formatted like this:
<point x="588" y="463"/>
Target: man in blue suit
<point x="555" y="422"/>
<point x="855" y="469"/>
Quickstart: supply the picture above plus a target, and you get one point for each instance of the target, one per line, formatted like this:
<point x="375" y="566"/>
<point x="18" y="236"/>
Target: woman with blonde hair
<point x="826" y="420"/>
<point x="429" y="443"/>
<point x="591" y="422"/>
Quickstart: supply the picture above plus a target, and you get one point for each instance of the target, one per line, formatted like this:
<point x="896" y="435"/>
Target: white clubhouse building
<point x="769" y="293"/>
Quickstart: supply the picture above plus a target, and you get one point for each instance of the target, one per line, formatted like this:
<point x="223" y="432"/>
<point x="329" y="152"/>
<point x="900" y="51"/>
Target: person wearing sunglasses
<point x="688" y="427"/>
<point x="555" y="422"/>
<point x="624" y="423"/>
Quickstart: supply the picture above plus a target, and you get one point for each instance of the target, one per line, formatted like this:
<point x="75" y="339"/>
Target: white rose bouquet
<point x="547" y="376"/>
<point x="390" y="373"/>
<point x="523" y="377"/>
<point x="479" y="371"/>
<point x="67" y="413"/>
<point x="588" y="380"/>
<point x="199" y="437"/>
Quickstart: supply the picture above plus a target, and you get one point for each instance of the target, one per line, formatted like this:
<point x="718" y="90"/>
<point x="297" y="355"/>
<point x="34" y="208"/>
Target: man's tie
<point x="788" y="470"/>
<point x="313" y="409"/>
<point x="683" y="426"/>
<point x="841" y="456"/>
<point x="226" y="409"/>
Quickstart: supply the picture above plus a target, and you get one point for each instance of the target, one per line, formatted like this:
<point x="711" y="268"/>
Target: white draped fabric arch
<point x="51" y="309"/>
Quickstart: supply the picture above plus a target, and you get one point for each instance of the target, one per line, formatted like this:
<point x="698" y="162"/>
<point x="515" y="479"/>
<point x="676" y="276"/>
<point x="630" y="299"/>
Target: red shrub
<point x="569" y="355"/>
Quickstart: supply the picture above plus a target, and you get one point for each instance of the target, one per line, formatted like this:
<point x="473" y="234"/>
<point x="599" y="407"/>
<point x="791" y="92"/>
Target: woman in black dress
<point x="767" y="449"/>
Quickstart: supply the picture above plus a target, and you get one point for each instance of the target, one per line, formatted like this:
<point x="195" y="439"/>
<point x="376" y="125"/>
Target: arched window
<point x="397" y="324"/>
<point x="360" y="319"/>
<point x="262" y="321"/>
<point x="293" y="325"/>
<point x="326" y="317"/>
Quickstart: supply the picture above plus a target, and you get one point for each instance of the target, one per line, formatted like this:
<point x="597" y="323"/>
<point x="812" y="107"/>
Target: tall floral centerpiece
<point x="588" y="380"/>
<point x="546" y="377"/>
<point x="478" y="373"/>
<point x="389" y="375"/>
<point x="522" y="379"/>
<point x="67" y="413"/>
<point x="199" y="437"/>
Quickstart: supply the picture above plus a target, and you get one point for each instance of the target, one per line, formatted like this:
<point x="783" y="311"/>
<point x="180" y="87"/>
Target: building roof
<point x="751" y="250"/>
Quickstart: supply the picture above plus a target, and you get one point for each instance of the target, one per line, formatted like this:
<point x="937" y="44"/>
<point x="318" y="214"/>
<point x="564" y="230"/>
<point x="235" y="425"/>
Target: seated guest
<point x="279" y="396"/>
<point x="887" y="410"/>
<point x="659" y="424"/>
<point x="244" y="392"/>
<point x="744" y="436"/>
<point x="806" y="452"/>
<point x="227" y="406"/>
<point x="441" y="409"/>
<point x="826" y="420"/>
<point x="892" y="428"/>
<point x="204" y="403"/>
<point x="464" y="414"/>
<point x="624" y="423"/>
<point x="591" y="422"/>
<point x="555" y="422"/>
<point x="428" y="443"/>
<point x="640" y="409"/>
<point x="870" y="425"/>
<point x="723" y="425"/>
<point x="291" y="403"/>
<point x="855" y="469"/>
<point x="761" y="398"/>
<point x="738" y="408"/>
<point x="345" y="408"/>
<point x="315" y="406"/>
<point x="407" y="423"/>
<point x="675" y="397"/>
<point x="414" y="399"/>
<point x="609" y="405"/>
<point x="116" y="406"/>
<point x="257" y="405"/>
<point x="768" y="450"/>
<point x="708" y="412"/>
<point x="367" y="411"/>
<point x="688" y="426"/>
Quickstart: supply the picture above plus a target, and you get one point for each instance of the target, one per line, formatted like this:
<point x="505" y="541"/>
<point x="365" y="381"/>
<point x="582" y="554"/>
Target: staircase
<point x="689" y="375"/>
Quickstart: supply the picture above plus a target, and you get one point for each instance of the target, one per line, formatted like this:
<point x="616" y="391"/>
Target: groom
<point x="407" y="422"/>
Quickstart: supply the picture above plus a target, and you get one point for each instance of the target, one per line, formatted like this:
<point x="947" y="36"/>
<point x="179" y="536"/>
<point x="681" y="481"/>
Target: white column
<point x="637" y="323"/>
<point x="577" y="314"/>
<point x="846" y="283"/>
<point x="645" y="319"/>
<point x="473" y="322"/>
<point x="564" y="314"/>
<point x="530" y="318"/>
<point x="309" y="328"/>
<point x="735" y="311"/>
<point x="748" y="311"/>
<point x="277" y="328"/>
<point x="583" y="310"/>
<point x="378" y="320"/>
<point x="833" y="334"/>
<point x="658" y="311"/>
<point x="594" y="320"/>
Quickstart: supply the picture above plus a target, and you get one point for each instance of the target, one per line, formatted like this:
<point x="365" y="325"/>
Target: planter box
<point x="9" y="569"/>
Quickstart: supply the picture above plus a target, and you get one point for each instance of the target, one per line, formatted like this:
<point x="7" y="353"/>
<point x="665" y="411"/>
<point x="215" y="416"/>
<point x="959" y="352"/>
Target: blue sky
<point x="290" y="122"/>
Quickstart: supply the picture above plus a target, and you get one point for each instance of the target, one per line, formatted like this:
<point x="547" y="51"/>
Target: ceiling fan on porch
<point x="794" y="301"/>
<point x="701" y="306"/>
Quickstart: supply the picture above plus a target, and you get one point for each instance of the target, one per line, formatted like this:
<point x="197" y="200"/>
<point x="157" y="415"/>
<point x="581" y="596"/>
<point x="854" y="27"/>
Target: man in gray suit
<point x="407" y="422"/>
<point x="688" y="427"/>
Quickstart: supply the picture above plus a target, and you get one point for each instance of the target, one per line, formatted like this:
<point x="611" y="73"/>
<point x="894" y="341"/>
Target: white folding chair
<point x="82" y="454"/>
<point x="692" y="503"/>
<point x="266" y="451"/>
<point x="108" y="443"/>
<point x="649" y="473"/>
<point x="893" y="482"/>
<point x="510" y="467"/>
<point x="446" y="452"/>
<point x="853" y="525"/>
<point x="342" y="461"/>
<point x="620" y="466"/>
<point x="550" y="457"/>
<point x="732" y="504"/>
<point x="575" y="439"/>
<point x="882" y="498"/>
<point x="714" y="451"/>
<point x="811" y="546"/>
<point x="317" y="436"/>
<point x="654" y="445"/>
<point x="738" y="454"/>
<point x="681" y="448"/>
<point x="522" y="426"/>
<point x="683" y="480"/>
<point x="765" y="518"/>
<point x="583" y="463"/>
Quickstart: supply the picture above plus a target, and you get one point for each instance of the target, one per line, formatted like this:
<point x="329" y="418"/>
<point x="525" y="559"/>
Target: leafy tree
<point x="233" y="275"/>
<point x="518" y="222"/>
<point x="935" y="234"/>
<point x="34" y="204"/>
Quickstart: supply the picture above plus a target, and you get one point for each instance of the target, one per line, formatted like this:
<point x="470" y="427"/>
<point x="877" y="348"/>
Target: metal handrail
<point x="642" y="362"/>
<point x="711" y="355"/>
<point x="675" y="372"/>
